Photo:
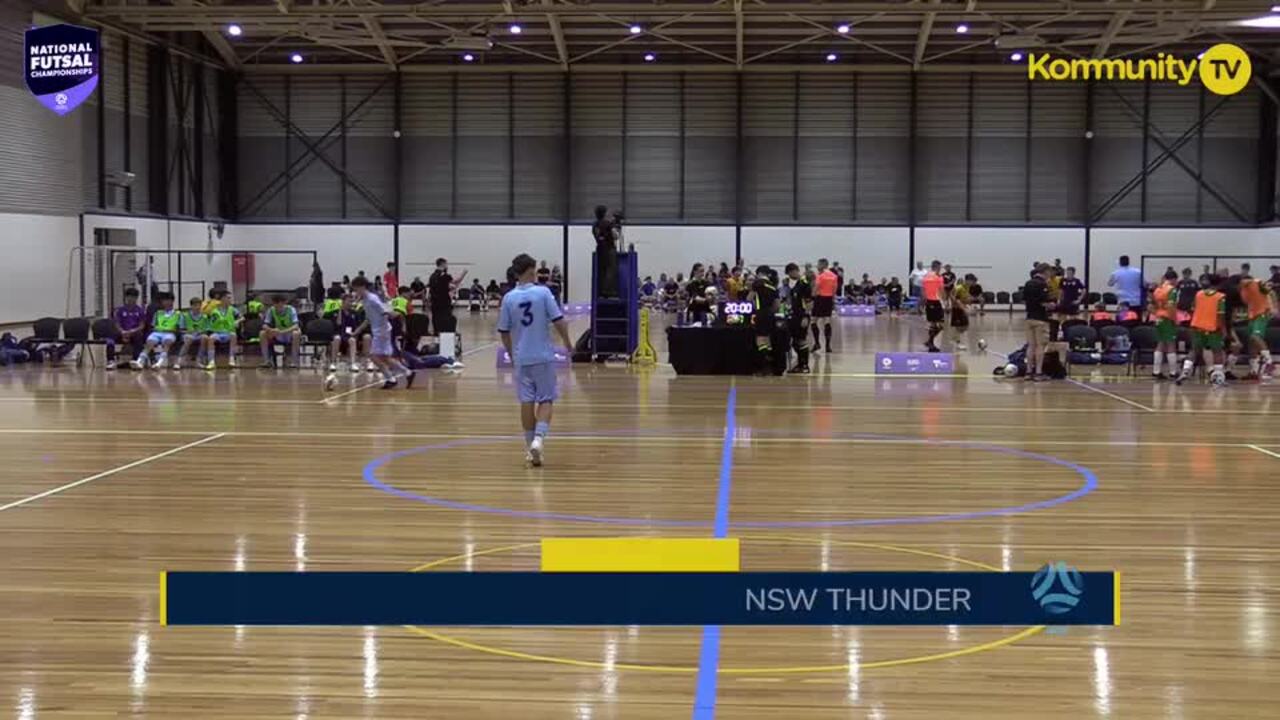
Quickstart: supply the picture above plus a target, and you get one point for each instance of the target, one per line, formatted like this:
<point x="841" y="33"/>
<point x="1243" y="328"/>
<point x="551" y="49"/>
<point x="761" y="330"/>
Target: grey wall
<point x="779" y="148"/>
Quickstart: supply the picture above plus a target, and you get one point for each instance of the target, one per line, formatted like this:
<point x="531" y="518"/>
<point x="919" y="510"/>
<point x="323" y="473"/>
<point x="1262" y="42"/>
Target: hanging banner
<point x="62" y="64"/>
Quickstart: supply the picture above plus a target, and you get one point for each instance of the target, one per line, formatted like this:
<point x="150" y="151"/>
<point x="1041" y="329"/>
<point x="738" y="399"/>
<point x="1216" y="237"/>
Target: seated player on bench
<point x="281" y="327"/>
<point x="163" y="335"/>
<point x="131" y="321"/>
<point x="349" y="320"/>
<point x="223" y="322"/>
<point x="195" y="334"/>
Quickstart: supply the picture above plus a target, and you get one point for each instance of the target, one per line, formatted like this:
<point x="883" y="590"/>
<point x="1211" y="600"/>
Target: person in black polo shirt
<point x="764" y="292"/>
<point x="440" y="288"/>
<point x="799" y="303"/>
<point x="1188" y="286"/>
<point x="1035" y="294"/>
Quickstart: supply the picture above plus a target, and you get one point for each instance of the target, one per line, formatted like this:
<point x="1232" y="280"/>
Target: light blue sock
<point x="541" y="428"/>
<point x="528" y="437"/>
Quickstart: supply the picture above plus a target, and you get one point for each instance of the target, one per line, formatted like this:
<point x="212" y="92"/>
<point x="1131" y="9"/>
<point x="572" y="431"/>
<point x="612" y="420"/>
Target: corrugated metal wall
<point x="816" y="148"/>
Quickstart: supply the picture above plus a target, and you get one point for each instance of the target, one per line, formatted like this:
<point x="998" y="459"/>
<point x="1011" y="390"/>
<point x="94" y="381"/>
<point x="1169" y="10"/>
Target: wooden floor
<point x="254" y="470"/>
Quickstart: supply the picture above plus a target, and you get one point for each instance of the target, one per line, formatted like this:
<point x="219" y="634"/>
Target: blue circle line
<point x="1090" y="484"/>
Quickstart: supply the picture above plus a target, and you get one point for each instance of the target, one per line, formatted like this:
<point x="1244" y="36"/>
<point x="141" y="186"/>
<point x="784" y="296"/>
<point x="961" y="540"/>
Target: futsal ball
<point x="1011" y="370"/>
<point x="330" y="381"/>
<point x="982" y="343"/>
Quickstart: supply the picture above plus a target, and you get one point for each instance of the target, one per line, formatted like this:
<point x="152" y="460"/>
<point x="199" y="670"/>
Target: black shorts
<point x="933" y="311"/>
<point x="959" y="318"/>
<point x="1069" y="309"/>
<point x="823" y="306"/>
<point x="798" y="326"/>
<point x="764" y="325"/>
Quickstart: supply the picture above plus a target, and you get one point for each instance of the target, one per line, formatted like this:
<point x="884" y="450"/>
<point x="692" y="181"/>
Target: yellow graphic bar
<point x="1116" y="583"/>
<point x="164" y="598"/>
<point x="640" y="555"/>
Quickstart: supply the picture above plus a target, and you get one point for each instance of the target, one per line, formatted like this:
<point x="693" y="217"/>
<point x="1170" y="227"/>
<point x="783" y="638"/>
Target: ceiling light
<point x="1266" y="21"/>
<point x="832" y="57"/>
<point x="515" y="29"/>
<point x="296" y="58"/>
<point x="636" y="29"/>
<point x="235" y="30"/>
<point x="1016" y="57"/>
<point x="962" y="28"/>
<point x="843" y="28"/>
<point x="650" y="57"/>
<point x="468" y="57"/>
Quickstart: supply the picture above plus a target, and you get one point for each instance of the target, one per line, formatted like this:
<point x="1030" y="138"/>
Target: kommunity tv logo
<point x="1223" y="69"/>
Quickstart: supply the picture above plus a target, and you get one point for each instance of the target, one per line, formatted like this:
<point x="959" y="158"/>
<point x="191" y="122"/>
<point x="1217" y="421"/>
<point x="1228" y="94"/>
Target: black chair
<point x="250" y="329"/>
<point x="47" y="329"/>
<point x="1110" y="299"/>
<point x="1273" y="339"/>
<point x="1002" y="298"/>
<point x="463" y="297"/>
<point x="416" y="327"/>
<point x="1110" y="333"/>
<point x="1073" y="322"/>
<point x="304" y="319"/>
<point x="317" y="334"/>
<point x="988" y="297"/>
<point x="1143" y="349"/>
<point x="1016" y="299"/>
<point x="76" y="332"/>
<point x="1081" y="337"/>
<point x="1093" y="298"/>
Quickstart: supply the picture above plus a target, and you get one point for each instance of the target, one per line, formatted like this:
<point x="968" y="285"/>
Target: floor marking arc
<point x="733" y="671"/>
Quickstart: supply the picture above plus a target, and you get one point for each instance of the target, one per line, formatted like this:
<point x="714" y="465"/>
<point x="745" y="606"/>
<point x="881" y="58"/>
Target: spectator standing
<point x="1127" y="280"/>
<point x="391" y="279"/>
<point x="1035" y="295"/>
<point x="915" y="279"/>
<point x="440" y="289"/>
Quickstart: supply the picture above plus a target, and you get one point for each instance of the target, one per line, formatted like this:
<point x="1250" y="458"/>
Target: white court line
<point x="634" y="438"/>
<point x="1111" y="395"/>
<point x="1264" y="451"/>
<point x="107" y="473"/>
<point x="377" y="383"/>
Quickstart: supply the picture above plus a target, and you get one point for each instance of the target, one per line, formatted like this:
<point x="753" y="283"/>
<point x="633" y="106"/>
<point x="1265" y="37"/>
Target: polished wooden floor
<point x="109" y="478"/>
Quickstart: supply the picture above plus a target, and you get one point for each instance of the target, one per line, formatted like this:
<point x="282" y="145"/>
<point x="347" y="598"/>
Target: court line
<point x="108" y="473"/>
<point x="739" y="672"/>
<point x="1265" y="452"/>
<point x="377" y="383"/>
<point x="1111" y="395"/>
<point x="682" y="439"/>
<point x="704" y="700"/>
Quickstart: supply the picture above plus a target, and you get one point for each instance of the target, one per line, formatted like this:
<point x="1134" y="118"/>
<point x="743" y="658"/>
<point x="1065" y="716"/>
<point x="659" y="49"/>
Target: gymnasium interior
<point x="682" y="174"/>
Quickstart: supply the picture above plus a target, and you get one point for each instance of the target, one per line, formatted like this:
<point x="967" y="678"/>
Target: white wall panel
<point x="662" y="248"/>
<point x="342" y="250"/>
<point x="37" y="249"/>
<point x="1261" y="246"/>
<point x="1001" y="257"/>
<point x="878" y="251"/>
<point x="484" y="251"/>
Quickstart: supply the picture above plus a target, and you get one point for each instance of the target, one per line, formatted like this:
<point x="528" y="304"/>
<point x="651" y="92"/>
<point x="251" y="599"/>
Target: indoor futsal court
<point x="630" y="361"/>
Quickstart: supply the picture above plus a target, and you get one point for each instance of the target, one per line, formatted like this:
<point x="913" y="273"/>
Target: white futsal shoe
<point x="535" y="452"/>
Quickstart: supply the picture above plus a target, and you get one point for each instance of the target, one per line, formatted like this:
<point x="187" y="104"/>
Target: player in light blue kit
<point x="528" y="313"/>
<point x="381" y="351"/>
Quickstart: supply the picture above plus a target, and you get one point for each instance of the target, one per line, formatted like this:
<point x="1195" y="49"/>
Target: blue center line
<point x="704" y="702"/>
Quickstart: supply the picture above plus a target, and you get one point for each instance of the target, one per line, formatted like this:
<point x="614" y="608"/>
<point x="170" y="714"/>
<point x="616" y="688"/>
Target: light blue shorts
<point x="381" y="344"/>
<point x="221" y="337"/>
<point x="536" y="383"/>
<point x="161" y="337"/>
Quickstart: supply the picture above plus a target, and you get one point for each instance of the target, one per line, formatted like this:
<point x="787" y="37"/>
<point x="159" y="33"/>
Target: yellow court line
<point x="1116" y="582"/>
<point x="690" y="669"/>
<point x="164" y="598"/>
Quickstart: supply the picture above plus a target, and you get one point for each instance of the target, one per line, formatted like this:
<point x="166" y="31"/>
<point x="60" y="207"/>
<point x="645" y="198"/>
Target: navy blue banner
<point x="1055" y="595"/>
<point x="61" y="65"/>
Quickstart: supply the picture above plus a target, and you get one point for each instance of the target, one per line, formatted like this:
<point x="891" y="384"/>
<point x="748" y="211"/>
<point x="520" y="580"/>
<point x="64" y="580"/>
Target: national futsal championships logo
<point x="1057" y="587"/>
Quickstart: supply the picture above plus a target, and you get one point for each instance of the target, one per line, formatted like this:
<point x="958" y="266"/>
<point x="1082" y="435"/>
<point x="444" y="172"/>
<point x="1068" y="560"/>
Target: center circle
<point x="690" y="669"/>
<point x="1088" y="485"/>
